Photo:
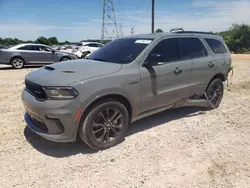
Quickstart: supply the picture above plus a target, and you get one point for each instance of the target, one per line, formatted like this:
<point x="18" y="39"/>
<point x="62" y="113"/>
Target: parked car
<point x="126" y="80"/>
<point x="86" y="49"/>
<point x="24" y="54"/>
<point x="2" y="47"/>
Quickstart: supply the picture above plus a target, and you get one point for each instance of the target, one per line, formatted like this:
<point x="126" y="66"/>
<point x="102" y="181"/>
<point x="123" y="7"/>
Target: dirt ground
<point x="182" y="148"/>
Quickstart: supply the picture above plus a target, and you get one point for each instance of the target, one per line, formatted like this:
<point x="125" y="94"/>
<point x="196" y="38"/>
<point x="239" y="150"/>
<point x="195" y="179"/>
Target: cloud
<point x="199" y="15"/>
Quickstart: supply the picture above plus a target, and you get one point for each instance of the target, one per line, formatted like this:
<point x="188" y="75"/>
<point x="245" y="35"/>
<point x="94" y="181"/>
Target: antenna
<point x="109" y="25"/>
<point x="132" y="31"/>
<point x="120" y="30"/>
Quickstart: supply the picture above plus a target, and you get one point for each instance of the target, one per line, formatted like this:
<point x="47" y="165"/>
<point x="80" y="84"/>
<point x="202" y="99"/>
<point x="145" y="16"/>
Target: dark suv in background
<point x="127" y="79"/>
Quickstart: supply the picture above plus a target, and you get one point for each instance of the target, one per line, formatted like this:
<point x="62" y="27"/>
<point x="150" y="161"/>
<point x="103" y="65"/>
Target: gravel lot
<point x="182" y="148"/>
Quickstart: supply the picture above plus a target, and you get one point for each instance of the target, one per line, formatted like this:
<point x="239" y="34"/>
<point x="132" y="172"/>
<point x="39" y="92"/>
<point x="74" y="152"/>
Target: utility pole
<point x="153" y="16"/>
<point x="109" y="25"/>
<point x="132" y="31"/>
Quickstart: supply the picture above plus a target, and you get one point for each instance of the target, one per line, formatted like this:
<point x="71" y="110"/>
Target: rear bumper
<point x="52" y="120"/>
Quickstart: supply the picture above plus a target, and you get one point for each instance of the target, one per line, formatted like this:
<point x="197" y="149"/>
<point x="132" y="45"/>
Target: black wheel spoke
<point x="107" y="111"/>
<point x="114" y="115"/>
<point x="113" y="129"/>
<point x="107" y="125"/>
<point x="97" y="125"/>
<point x="103" y="135"/>
<point x="98" y="130"/>
<point x="107" y="138"/>
<point x="118" y="117"/>
<point x="103" y="117"/>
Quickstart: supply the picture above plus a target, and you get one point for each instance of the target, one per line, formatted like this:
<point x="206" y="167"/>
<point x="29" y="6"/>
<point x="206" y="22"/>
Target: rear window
<point x="216" y="46"/>
<point x="190" y="48"/>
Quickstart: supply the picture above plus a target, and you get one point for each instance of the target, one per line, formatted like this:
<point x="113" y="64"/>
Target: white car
<point x="86" y="48"/>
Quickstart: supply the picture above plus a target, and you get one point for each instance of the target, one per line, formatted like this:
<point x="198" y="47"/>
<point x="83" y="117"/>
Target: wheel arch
<point x="116" y="96"/>
<point x="218" y="75"/>
<point x="17" y="56"/>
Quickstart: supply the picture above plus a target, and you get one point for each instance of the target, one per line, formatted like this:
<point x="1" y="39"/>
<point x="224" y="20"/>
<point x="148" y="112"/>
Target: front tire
<point x="215" y="93"/>
<point x="105" y="124"/>
<point x="17" y="63"/>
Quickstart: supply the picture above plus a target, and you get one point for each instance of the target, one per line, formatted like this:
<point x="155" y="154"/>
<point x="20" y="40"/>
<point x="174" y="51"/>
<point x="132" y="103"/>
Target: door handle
<point x="210" y="65"/>
<point x="177" y="71"/>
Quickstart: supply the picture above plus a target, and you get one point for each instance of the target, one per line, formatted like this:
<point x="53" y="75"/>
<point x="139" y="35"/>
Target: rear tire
<point x="105" y="124"/>
<point x="17" y="63"/>
<point x="215" y="93"/>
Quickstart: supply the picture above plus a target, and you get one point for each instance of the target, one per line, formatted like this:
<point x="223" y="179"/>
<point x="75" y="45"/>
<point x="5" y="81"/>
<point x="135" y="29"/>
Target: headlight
<point x="58" y="93"/>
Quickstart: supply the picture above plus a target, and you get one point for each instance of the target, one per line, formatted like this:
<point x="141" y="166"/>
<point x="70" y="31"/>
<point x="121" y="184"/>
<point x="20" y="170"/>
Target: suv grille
<point x="35" y="90"/>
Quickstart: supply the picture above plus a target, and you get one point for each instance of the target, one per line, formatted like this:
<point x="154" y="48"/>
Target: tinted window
<point x="44" y="48"/>
<point x="168" y="49"/>
<point x="123" y="50"/>
<point x="216" y="46"/>
<point x="190" y="48"/>
<point x="29" y="47"/>
<point x="99" y="45"/>
<point x="92" y="45"/>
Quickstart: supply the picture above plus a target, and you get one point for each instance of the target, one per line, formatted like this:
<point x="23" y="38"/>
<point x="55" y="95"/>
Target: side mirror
<point x="155" y="59"/>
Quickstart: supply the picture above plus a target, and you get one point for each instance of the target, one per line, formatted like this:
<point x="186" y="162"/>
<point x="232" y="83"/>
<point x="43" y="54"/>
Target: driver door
<point x="166" y="80"/>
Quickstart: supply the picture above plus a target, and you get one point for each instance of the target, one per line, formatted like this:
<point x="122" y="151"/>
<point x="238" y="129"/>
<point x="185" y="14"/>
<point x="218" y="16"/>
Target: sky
<point x="77" y="20"/>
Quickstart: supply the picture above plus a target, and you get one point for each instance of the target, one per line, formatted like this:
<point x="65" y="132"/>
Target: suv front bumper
<point x="52" y="120"/>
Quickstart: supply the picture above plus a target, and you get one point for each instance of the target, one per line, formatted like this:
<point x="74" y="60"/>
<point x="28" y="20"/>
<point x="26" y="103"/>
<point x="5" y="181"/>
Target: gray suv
<point x="128" y="79"/>
<point x="24" y="54"/>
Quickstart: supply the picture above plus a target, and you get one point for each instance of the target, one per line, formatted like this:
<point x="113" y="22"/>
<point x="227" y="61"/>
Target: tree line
<point x="237" y="37"/>
<point x="43" y="40"/>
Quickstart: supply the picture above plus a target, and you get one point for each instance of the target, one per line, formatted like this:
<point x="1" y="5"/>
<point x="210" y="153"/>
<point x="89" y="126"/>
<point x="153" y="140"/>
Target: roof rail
<point x="196" y="32"/>
<point x="176" y="29"/>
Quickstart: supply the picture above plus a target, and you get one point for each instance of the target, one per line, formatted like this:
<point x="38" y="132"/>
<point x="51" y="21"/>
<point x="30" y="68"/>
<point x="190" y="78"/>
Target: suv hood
<point x="66" y="73"/>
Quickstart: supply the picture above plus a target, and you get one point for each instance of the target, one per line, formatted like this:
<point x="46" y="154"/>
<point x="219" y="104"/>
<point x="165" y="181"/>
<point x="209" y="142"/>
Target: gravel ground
<point x="183" y="148"/>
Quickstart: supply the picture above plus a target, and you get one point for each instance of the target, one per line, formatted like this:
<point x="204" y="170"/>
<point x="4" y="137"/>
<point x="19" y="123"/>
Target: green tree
<point x="43" y="40"/>
<point x="237" y="38"/>
<point x="53" y="41"/>
<point x="66" y="42"/>
<point x="159" y="31"/>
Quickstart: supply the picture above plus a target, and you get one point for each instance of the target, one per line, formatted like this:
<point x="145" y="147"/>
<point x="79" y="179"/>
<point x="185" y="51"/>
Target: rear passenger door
<point x="222" y="57"/>
<point x="202" y="68"/>
<point x="167" y="82"/>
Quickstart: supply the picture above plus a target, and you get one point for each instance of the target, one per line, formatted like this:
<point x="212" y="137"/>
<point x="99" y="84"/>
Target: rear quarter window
<point x="216" y="46"/>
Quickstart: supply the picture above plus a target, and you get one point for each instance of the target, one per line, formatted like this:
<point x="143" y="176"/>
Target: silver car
<point x="23" y="54"/>
<point x="127" y="79"/>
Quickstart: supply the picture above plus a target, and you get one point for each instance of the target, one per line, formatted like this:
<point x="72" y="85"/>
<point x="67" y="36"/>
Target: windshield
<point x="121" y="50"/>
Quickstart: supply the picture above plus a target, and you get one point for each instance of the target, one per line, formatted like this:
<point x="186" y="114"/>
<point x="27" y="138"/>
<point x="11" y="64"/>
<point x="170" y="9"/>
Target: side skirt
<point x="183" y="103"/>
